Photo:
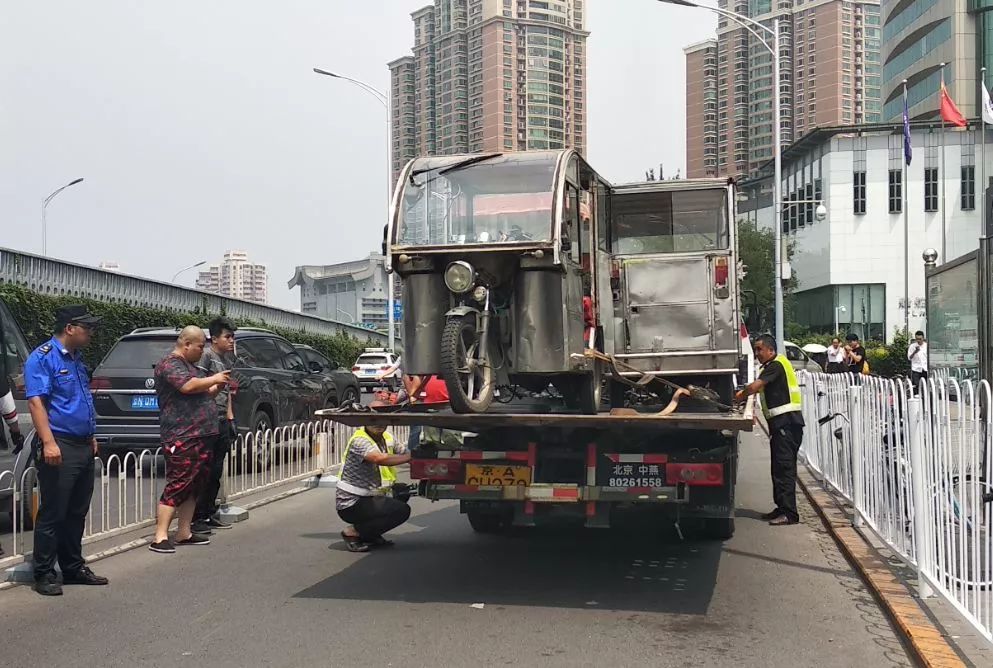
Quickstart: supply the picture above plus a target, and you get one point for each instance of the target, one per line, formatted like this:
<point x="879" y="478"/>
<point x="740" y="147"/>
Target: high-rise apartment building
<point x="237" y="278"/>
<point x="701" y="108"/>
<point x="829" y="75"/>
<point x="491" y="75"/>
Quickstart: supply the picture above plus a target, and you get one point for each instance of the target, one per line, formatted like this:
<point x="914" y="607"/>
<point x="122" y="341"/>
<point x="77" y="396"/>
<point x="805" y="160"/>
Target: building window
<point x="896" y="191"/>
<point x="859" y="193"/>
<point x="930" y="189"/>
<point x="968" y="188"/>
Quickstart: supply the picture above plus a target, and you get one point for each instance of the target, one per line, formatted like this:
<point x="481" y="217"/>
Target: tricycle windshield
<point x="479" y="199"/>
<point x="679" y="221"/>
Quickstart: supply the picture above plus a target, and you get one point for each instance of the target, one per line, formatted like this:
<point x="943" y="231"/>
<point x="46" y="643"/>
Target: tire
<point x="349" y="397"/>
<point x="488" y="523"/>
<point x="262" y="422"/>
<point x="457" y="341"/>
<point x="717" y="528"/>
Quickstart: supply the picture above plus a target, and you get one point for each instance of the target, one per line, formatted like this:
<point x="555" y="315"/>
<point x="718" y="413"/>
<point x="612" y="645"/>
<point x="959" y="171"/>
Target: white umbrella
<point x="814" y="348"/>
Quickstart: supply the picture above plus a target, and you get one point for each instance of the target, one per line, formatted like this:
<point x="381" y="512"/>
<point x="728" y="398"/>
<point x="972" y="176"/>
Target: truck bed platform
<point x="511" y="417"/>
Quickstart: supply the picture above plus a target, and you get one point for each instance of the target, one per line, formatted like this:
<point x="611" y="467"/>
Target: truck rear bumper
<point x="553" y="493"/>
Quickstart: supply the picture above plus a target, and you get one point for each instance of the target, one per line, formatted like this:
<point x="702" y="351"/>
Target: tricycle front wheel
<point x="465" y="365"/>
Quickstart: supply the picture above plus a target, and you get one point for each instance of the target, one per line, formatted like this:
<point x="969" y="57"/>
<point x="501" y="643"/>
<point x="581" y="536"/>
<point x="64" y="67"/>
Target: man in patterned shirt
<point x="361" y="499"/>
<point x="188" y="425"/>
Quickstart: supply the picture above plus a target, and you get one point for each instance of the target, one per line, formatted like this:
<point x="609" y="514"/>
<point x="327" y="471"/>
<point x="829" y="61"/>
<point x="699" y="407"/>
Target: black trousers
<point x="916" y="377"/>
<point x="785" y="444"/>
<point x="207" y="501"/>
<point x="372" y="516"/>
<point x="65" y="500"/>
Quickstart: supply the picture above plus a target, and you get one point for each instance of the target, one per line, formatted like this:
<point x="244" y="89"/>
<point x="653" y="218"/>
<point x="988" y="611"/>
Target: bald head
<point x="190" y="343"/>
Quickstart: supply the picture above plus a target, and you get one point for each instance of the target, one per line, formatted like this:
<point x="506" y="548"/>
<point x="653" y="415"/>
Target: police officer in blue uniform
<point x="58" y="392"/>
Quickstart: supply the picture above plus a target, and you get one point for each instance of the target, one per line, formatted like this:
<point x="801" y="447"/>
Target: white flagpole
<point x="906" y="226"/>
<point x="982" y="166"/>
<point x="944" y="258"/>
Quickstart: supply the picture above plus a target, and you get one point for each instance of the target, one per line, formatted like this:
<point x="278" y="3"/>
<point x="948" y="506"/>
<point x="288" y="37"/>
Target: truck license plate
<point x="626" y="475"/>
<point x="497" y="475"/>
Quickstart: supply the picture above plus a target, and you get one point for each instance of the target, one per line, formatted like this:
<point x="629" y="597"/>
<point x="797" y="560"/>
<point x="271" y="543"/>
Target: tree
<point x="756" y="250"/>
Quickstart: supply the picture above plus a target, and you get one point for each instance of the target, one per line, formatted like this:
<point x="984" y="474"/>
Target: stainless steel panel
<point x="668" y="280"/>
<point x="670" y="327"/>
<point x="425" y="301"/>
<point x="540" y="338"/>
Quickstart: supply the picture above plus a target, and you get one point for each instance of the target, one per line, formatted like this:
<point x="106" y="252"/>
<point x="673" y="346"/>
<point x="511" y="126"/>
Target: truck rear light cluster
<point x="435" y="469"/>
<point x="702" y="475"/>
<point x="720" y="272"/>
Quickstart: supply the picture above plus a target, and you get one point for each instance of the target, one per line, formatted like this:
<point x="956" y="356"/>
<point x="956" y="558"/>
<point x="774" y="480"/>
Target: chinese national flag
<point x="949" y="112"/>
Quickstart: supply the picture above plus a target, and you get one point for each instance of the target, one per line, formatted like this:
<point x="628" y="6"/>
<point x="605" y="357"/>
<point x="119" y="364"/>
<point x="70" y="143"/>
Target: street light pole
<point x="384" y="99"/>
<point x="752" y="26"/>
<point x="192" y="266"/>
<point x="44" y="218"/>
<point x="837" y="323"/>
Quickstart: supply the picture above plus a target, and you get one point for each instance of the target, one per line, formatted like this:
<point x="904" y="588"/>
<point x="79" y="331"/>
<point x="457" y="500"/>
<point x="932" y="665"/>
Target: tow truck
<point x="659" y="261"/>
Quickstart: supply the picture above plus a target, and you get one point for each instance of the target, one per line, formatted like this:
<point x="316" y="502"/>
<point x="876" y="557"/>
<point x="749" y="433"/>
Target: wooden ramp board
<point x="499" y="420"/>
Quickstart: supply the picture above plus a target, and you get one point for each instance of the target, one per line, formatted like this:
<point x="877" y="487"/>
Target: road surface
<point x="271" y="593"/>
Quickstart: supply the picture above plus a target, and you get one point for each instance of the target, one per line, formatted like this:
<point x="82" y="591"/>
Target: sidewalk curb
<point x="925" y="640"/>
<point x="21" y="573"/>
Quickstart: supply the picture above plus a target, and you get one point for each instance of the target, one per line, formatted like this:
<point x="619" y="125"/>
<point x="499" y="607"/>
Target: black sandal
<point x="354" y="543"/>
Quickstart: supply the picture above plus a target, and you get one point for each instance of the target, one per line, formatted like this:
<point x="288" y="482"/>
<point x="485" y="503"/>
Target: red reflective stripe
<point x="591" y="508"/>
<point x="516" y="456"/>
<point x="565" y="493"/>
<point x="591" y="454"/>
<point x="529" y="507"/>
<point x="471" y="456"/>
<point x="532" y="454"/>
<point x="614" y="458"/>
<point x="655" y="459"/>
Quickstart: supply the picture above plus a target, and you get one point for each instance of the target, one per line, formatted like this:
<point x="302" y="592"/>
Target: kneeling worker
<point x="780" y="395"/>
<point x="362" y="498"/>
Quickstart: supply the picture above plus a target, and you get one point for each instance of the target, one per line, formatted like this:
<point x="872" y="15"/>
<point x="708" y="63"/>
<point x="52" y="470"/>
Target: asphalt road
<point x="271" y="593"/>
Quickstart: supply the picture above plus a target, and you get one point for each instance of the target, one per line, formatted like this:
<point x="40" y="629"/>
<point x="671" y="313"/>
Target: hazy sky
<point x="199" y="126"/>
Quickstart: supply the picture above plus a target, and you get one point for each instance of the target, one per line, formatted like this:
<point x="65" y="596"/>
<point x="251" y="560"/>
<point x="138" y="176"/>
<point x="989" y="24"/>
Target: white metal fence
<point x="127" y="489"/>
<point x="915" y="466"/>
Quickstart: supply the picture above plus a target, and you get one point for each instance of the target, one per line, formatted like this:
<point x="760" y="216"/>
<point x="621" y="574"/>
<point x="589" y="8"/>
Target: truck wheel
<point x="720" y="528"/>
<point x="466" y="366"/>
<point x="486" y="522"/>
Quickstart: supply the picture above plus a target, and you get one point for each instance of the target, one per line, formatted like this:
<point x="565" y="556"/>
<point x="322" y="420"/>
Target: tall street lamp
<point x="385" y="101"/>
<point x="192" y="266"/>
<point x="753" y="27"/>
<point x="44" y="221"/>
<point x="837" y="320"/>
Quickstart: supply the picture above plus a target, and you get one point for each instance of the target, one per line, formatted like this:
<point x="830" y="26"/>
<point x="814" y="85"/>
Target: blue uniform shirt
<point x="59" y="377"/>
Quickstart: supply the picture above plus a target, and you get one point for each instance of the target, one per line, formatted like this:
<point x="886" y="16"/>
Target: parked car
<point x="341" y="387"/>
<point x="373" y="362"/>
<point x="271" y="383"/>
<point x="800" y="360"/>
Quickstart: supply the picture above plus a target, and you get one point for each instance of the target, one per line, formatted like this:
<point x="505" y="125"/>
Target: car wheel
<point x="261" y="423"/>
<point x="349" y="397"/>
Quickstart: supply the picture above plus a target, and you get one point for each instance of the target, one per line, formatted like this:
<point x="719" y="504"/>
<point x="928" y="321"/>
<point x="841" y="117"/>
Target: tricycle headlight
<point x="460" y="277"/>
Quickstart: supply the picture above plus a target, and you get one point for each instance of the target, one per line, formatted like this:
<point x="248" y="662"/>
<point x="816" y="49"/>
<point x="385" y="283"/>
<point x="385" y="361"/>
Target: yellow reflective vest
<point x="793" y="405"/>
<point x="386" y="473"/>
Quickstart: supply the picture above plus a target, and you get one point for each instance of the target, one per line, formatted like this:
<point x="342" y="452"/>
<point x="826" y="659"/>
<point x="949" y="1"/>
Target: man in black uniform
<point x="780" y="396"/>
<point x="58" y="392"/>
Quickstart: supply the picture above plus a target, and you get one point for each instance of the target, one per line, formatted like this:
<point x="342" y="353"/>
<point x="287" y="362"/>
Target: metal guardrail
<point x="916" y="468"/>
<point x="56" y="277"/>
<point x="127" y="489"/>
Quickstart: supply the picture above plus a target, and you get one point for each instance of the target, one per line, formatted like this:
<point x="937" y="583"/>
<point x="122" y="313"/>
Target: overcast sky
<point x="199" y="126"/>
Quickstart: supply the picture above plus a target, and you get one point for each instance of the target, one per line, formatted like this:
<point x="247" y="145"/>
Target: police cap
<point x="76" y="314"/>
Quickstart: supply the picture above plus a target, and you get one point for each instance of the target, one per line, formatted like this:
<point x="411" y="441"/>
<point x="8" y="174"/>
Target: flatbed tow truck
<point x="517" y="468"/>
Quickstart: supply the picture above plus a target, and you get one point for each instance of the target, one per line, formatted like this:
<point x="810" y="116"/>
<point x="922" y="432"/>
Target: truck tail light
<point x="435" y="469"/>
<point x="100" y="383"/>
<point x="720" y="272"/>
<point x="701" y="475"/>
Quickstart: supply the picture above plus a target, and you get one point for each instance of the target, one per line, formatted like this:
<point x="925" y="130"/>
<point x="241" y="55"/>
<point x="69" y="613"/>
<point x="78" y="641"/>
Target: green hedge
<point x="35" y="313"/>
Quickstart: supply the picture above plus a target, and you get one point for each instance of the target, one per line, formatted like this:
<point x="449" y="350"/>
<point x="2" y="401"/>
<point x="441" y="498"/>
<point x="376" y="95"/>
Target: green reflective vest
<point x="386" y="473"/>
<point x="794" y="386"/>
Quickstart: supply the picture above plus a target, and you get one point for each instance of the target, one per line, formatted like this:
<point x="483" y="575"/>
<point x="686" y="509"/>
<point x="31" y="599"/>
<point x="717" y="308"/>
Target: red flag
<point x="949" y="112"/>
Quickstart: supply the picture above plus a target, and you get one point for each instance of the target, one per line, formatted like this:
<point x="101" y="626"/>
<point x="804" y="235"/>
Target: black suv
<point x="341" y="387"/>
<point x="272" y="384"/>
